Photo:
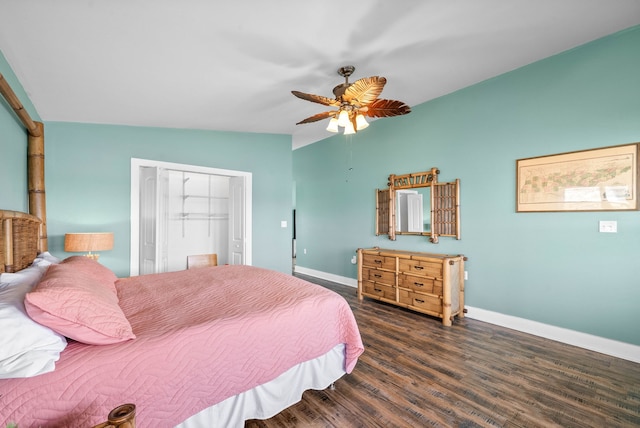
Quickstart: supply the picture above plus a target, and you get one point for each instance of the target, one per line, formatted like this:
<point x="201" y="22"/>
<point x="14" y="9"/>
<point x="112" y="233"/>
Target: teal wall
<point x="13" y="146"/>
<point x="88" y="181"/>
<point x="554" y="268"/>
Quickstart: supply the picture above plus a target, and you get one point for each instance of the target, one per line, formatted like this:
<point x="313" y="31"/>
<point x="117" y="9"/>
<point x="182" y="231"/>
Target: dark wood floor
<point x="416" y="373"/>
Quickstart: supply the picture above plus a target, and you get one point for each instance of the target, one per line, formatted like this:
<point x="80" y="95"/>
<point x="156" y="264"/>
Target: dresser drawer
<point x="384" y="291"/>
<point x="425" y="302"/>
<point x="420" y="283"/>
<point x="383" y="262"/>
<point x="376" y="275"/>
<point x="421" y="267"/>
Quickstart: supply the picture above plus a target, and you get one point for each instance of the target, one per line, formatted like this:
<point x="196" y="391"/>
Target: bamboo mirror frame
<point x="444" y="205"/>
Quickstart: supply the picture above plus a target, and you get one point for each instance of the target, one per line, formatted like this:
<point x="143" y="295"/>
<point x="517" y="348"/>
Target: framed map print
<point x="591" y="180"/>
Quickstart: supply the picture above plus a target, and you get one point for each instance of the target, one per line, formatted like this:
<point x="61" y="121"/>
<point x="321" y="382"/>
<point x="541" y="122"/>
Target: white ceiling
<point x="232" y="65"/>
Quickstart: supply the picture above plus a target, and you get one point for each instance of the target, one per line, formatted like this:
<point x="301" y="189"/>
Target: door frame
<point x="136" y="163"/>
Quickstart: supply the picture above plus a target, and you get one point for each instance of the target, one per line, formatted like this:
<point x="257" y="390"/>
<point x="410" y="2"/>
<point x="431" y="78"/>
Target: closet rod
<point x="15" y="104"/>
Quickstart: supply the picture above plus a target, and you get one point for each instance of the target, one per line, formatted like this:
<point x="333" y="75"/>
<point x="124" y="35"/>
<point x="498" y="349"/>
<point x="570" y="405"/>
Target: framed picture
<point x="591" y="180"/>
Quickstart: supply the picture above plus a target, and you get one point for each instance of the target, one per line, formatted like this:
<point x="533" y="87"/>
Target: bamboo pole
<point x="15" y="104"/>
<point x="35" y="160"/>
<point x="377" y="212"/>
<point x="392" y="214"/>
<point x="446" y="293"/>
<point x="457" y="202"/>
<point x="7" y="241"/>
<point x="461" y="287"/>
<point x="360" y="274"/>
<point x="37" y="195"/>
<point x="433" y="201"/>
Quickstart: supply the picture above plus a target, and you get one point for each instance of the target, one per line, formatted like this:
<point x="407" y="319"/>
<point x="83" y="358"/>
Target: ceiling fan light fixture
<point x="343" y="118"/>
<point x="361" y="122"/>
<point x="351" y="99"/>
<point x="349" y="129"/>
<point x="333" y="125"/>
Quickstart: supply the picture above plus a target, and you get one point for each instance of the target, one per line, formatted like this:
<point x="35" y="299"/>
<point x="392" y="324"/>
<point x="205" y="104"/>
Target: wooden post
<point x="35" y="163"/>
<point x="392" y="207"/>
<point x="360" y="274"/>
<point x="461" y="287"/>
<point x="7" y="234"/>
<point x="435" y="214"/>
<point x="457" y="204"/>
<point x="378" y="212"/>
<point x="37" y="196"/>
<point x="392" y="214"/>
<point x="16" y="105"/>
<point x="446" y="293"/>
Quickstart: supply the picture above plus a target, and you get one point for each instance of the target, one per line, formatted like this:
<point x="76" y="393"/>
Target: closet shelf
<point x="204" y="197"/>
<point x="201" y="216"/>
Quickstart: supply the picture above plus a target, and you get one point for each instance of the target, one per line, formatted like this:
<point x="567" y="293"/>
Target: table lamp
<point x="90" y="242"/>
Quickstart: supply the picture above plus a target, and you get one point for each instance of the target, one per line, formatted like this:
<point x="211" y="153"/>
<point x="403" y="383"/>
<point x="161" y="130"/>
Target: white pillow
<point x="30" y="275"/>
<point x="26" y="348"/>
<point x="41" y="263"/>
<point x="45" y="255"/>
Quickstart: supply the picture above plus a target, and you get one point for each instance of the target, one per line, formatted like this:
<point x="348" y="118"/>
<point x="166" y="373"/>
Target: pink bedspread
<point x="203" y="335"/>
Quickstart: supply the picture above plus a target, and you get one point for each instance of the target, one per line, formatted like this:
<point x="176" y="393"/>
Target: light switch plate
<point x="283" y="223"/>
<point x="607" y="226"/>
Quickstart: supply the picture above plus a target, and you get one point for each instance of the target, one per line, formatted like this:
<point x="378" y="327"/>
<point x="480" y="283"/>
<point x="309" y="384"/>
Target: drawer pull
<point x="418" y="284"/>
<point x="377" y="275"/>
<point x="378" y="261"/>
<point x="419" y="300"/>
<point x="377" y="290"/>
<point x="416" y="267"/>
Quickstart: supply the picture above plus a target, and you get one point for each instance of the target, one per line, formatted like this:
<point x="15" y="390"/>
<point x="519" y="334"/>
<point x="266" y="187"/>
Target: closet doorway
<point x="178" y="210"/>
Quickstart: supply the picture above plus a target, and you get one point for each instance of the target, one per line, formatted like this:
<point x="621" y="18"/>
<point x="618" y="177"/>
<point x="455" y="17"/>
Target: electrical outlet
<point x="466" y="275"/>
<point x="608" y="226"/>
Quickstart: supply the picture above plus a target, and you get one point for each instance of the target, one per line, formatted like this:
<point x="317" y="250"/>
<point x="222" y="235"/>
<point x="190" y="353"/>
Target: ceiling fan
<point x="354" y="101"/>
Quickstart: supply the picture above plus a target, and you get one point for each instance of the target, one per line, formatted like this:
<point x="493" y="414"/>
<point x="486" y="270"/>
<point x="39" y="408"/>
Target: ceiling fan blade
<point x="386" y="108"/>
<point x="364" y="91"/>
<point x="318" y="117"/>
<point x="316" y="99"/>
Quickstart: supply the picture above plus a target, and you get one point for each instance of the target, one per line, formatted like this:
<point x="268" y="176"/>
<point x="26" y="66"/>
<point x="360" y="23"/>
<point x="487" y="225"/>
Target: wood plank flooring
<point x="416" y="373"/>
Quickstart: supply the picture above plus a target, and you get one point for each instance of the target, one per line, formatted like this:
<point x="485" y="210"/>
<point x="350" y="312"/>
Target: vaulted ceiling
<point x="232" y="65"/>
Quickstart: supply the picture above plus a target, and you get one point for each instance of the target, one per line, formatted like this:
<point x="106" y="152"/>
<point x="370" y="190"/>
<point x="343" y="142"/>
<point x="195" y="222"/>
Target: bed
<point x="209" y="347"/>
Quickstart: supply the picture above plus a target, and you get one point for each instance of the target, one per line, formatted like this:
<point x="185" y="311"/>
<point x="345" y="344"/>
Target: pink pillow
<point x="93" y="269"/>
<point x="78" y="306"/>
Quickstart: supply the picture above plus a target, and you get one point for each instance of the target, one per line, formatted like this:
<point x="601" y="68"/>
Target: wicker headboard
<point x="19" y="240"/>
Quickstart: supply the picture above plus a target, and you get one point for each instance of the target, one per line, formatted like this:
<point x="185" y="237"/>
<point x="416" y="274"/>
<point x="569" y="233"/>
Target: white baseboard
<point x="602" y="345"/>
<point x="327" y="276"/>
<point x="614" y="348"/>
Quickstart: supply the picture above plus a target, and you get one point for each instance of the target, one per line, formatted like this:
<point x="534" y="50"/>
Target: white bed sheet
<point x="269" y="399"/>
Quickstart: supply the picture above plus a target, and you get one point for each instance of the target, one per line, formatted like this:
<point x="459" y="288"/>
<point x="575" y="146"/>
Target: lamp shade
<point x="80" y="242"/>
<point x="333" y="125"/>
<point x="343" y="118"/>
<point x="361" y="122"/>
<point x="348" y="129"/>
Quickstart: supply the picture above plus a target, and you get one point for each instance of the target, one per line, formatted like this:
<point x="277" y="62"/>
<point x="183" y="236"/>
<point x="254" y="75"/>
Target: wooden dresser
<point x="424" y="282"/>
